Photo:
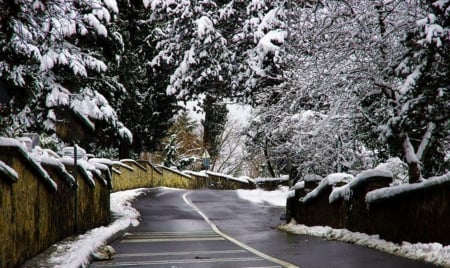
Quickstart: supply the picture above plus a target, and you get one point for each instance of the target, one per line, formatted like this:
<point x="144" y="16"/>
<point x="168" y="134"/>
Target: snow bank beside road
<point x="432" y="252"/>
<point x="76" y="252"/>
<point x="259" y="196"/>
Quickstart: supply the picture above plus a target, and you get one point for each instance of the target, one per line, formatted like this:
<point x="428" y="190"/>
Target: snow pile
<point x="74" y="253"/>
<point x="329" y="180"/>
<point x="432" y="252"/>
<point x="259" y="196"/>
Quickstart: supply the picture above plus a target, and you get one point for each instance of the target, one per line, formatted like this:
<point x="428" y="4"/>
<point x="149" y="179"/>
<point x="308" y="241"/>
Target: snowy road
<point x="172" y="233"/>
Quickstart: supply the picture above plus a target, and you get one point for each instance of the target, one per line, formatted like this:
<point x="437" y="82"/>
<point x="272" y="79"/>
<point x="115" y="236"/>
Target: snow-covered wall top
<point x="269" y="179"/>
<point x="345" y="191"/>
<point x="83" y="166"/>
<point x="8" y="172"/>
<point x="228" y="177"/>
<point x="175" y="171"/>
<point x="124" y="161"/>
<point x="196" y="174"/>
<point x="29" y="161"/>
<point x="389" y="192"/>
<point x="329" y="180"/>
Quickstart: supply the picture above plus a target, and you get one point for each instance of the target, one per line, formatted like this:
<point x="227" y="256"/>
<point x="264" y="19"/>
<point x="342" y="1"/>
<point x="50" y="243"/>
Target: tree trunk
<point x="269" y="165"/>
<point x="414" y="172"/>
<point x="414" y="169"/>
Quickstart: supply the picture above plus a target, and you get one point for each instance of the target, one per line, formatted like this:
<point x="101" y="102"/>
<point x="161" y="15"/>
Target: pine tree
<point x="213" y="125"/>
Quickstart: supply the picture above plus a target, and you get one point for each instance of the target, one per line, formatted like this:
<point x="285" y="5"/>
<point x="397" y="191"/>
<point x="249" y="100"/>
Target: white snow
<point x="388" y="192"/>
<point x="345" y="191"/>
<point x="228" y="177"/>
<point x="196" y="174"/>
<point x="10" y="142"/>
<point x="204" y="27"/>
<point x="269" y="179"/>
<point x="431" y="252"/>
<point x="299" y="185"/>
<point x="76" y="253"/>
<point x="174" y="171"/>
<point x="331" y="179"/>
<point x="8" y="171"/>
<point x="259" y="196"/>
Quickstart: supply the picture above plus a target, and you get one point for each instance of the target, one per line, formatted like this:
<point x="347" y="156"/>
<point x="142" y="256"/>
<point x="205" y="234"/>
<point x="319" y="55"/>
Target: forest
<point x="333" y="86"/>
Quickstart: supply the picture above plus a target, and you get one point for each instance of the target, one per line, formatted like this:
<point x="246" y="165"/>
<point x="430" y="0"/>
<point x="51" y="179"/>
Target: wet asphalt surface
<point x="172" y="234"/>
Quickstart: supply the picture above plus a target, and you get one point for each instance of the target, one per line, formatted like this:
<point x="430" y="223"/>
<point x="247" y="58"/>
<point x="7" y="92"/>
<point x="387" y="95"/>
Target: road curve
<point x="207" y="228"/>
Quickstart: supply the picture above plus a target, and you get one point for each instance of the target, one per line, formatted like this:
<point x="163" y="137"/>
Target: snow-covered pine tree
<point x="43" y="61"/>
<point x="145" y="105"/>
<point x="421" y="101"/>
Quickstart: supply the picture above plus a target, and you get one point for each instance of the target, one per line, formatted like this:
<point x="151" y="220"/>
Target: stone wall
<point x="176" y="179"/>
<point x="39" y="209"/>
<point x="420" y="215"/>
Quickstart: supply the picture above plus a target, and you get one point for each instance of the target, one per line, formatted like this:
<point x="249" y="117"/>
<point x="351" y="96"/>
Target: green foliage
<point x="214" y="124"/>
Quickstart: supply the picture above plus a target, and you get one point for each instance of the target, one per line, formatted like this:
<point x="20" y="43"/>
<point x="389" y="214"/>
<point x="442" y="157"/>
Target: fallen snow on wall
<point x="432" y="252"/>
<point x="389" y="192"/>
<point x="10" y="142"/>
<point x="347" y="190"/>
<point x="271" y="179"/>
<point x="74" y="253"/>
<point x="331" y="180"/>
<point x="259" y="196"/>
<point x="228" y="177"/>
<point x="8" y="172"/>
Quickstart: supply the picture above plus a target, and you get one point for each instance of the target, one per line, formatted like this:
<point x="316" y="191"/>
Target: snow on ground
<point x="276" y="198"/>
<point x="431" y="252"/>
<point x="76" y="252"/>
<point x="434" y="253"/>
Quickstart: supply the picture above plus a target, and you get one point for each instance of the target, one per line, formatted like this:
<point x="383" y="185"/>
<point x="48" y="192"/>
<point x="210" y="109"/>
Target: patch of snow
<point x="196" y="174"/>
<point x="259" y="196"/>
<point x="390" y="192"/>
<point x="104" y="161"/>
<point x="431" y="252"/>
<point x="346" y="191"/>
<point x="76" y="253"/>
<point x="299" y="185"/>
<point x="329" y="180"/>
<point x="228" y="177"/>
<point x="174" y="171"/>
<point x="312" y="178"/>
<point x="124" y="161"/>
<point x="269" y="179"/>
<point x="8" y="171"/>
<point x="10" y="142"/>
<point x="85" y="168"/>
<point x="398" y="168"/>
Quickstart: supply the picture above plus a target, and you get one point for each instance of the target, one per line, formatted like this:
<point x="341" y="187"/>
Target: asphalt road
<point x="210" y="228"/>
